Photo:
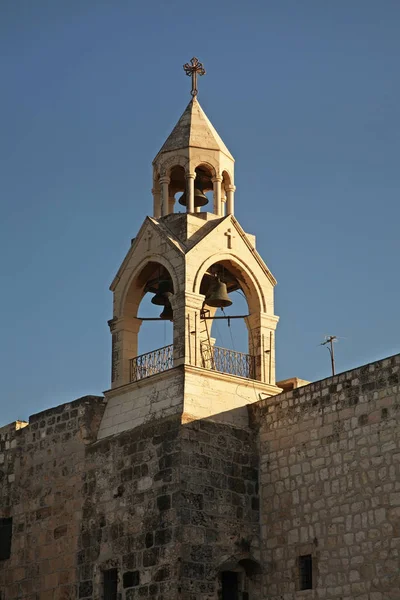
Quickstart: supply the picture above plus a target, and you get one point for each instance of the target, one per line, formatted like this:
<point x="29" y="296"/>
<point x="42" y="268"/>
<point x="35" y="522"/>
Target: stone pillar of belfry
<point x="187" y="330"/>
<point x="164" y="181"/>
<point x="190" y="177"/>
<point x="217" y="195"/>
<point x="124" y="347"/>
<point x="230" y="201"/>
<point x="156" y="203"/>
<point x="261" y="328"/>
<point x="171" y="204"/>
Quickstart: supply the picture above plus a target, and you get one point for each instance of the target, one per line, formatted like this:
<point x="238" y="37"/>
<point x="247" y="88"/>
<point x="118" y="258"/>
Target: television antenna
<point x="329" y="340"/>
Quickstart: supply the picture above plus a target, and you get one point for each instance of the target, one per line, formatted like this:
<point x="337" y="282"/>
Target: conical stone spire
<point x="194" y="130"/>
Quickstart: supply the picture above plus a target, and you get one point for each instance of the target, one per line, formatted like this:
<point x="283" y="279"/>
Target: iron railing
<point x="152" y="362"/>
<point x="233" y="363"/>
<point x="221" y="359"/>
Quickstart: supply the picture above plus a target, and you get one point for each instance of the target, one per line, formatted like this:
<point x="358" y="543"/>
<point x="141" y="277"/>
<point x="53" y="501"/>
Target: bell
<point x="218" y="297"/>
<point x="200" y="199"/>
<point x="163" y="294"/>
<point x="167" y="314"/>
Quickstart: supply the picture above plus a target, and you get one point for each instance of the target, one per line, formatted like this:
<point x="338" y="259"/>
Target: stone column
<point x="190" y="177"/>
<point x="156" y="203"/>
<point x="171" y="204"/>
<point x="230" y="191"/>
<point x="187" y="331"/>
<point x="164" y="181"/>
<point x="217" y="195"/>
<point x="124" y="333"/>
<point x="261" y="328"/>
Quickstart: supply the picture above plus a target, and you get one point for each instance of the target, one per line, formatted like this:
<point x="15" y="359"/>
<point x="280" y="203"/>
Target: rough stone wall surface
<point x="219" y="505"/>
<point x="330" y="485"/>
<point x="130" y="513"/>
<point x="41" y="471"/>
<point x="169" y="504"/>
<point x="165" y="504"/>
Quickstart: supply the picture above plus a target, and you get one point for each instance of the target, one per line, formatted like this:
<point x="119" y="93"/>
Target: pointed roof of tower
<point x="194" y="129"/>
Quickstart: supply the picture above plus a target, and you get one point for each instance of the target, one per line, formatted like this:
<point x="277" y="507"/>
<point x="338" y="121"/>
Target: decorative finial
<point x="192" y="69"/>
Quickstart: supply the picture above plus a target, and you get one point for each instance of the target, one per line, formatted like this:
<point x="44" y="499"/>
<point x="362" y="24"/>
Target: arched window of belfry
<point x="225" y="317"/>
<point x="177" y="188"/>
<point x="148" y="315"/>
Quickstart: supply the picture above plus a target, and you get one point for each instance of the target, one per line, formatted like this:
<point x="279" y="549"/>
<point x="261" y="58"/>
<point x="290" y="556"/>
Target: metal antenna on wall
<point x="329" y="339"/>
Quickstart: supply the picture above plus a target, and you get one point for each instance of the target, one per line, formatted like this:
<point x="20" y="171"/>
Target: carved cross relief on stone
<point x="229" y="237"/>
<point x="148" y="238"/>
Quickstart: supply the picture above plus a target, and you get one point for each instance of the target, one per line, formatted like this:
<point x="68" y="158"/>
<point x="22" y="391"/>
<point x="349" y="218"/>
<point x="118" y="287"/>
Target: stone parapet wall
<point x="330" y="485"/>
<point x="219" y="396"/>
<point x="140" y="402"/>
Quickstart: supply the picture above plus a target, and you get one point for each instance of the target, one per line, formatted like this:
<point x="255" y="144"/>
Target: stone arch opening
<point x="226" y="179"/>
<point x="151" y="278"/>
<point x="238" y="578"/>
<point x="144" y="280"/>
<point x="203" y="182"/>
<point x="239" y="271"/>
<point x="229" y="328"/>
<point x="177" y="186"/>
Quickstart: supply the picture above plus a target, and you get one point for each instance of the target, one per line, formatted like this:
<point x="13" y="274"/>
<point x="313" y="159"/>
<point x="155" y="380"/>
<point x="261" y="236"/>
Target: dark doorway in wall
<point x="305" y="572"/>
<point x="110" y="584"/>
<point x="230" y="585"/>
<point x="5" y="538"/>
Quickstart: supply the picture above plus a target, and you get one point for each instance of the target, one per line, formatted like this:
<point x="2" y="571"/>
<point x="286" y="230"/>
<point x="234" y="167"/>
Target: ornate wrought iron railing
<point x="221" y="359"/>
<point x="152" y="362"/>
<point x="233" y="363"/>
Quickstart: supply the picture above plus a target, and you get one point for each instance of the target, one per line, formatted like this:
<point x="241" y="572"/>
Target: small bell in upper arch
<point x="218" y="296"/>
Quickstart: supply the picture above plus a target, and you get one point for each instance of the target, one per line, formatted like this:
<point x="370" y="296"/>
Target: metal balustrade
<point x="221" y="359"/>
<point x="151" y="363"/>
<point x="234" y="363"/>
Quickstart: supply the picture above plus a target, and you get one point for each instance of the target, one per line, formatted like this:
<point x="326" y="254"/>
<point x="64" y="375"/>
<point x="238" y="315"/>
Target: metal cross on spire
<point x="192" y="69"/>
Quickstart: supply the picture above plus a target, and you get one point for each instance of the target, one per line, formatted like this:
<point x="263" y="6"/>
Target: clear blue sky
<point x="306" y="97"/>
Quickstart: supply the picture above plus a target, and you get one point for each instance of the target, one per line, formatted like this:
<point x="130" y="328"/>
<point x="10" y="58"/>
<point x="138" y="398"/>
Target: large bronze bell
<point x="218" y="297"/>
<point x="163" y="294"/>
<point x="167" y="314"/>
<point x="200" y="199"/>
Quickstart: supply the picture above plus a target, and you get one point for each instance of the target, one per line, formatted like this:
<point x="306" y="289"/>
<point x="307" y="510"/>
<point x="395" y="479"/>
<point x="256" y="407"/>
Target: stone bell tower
<point x="184" y="258"/>
<point x="181" y="410"/>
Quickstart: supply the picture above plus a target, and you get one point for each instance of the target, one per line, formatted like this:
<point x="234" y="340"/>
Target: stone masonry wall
<point x="40" y="472"/>
<point x="219" y="506"/>
<point x="131" y="487"/>
<point x="165" y="504"/>
<point x="330" y="485"/>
